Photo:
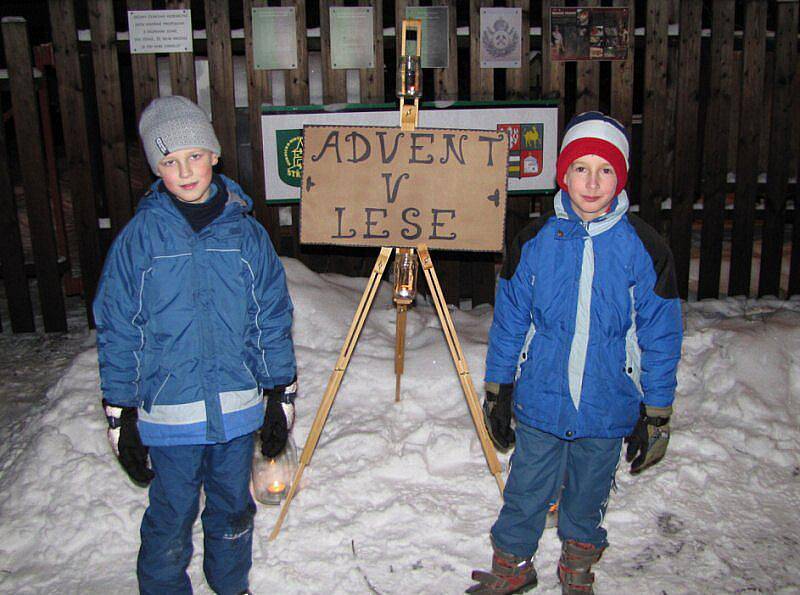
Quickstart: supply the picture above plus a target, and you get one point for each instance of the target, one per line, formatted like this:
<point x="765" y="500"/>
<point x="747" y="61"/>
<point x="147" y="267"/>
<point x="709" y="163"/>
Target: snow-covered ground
<point x="398" y="498"/>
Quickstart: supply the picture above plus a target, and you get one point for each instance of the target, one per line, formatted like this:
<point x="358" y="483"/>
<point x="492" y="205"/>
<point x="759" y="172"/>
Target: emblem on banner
<point x="289" y="151"/>
<point x="525" y="149"/>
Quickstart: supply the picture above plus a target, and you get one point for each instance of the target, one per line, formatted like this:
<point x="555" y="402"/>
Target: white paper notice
<point x="157" y="31"/>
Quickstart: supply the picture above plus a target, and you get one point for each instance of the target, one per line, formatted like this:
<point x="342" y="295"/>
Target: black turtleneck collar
<point x="200" y="215"/>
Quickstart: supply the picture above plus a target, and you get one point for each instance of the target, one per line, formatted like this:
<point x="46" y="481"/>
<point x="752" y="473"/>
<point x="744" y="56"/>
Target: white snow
<point x="398" y="497"/>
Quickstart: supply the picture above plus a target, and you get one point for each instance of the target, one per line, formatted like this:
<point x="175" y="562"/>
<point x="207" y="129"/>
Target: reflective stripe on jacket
<point x="192" y="326"/>
<point x="587" y="321"/>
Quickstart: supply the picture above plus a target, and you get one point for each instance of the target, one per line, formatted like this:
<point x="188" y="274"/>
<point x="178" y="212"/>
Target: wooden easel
<point x="408" y="118"/>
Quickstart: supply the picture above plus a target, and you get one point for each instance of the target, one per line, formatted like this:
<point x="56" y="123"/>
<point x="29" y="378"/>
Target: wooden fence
<point x="708" y="91"/>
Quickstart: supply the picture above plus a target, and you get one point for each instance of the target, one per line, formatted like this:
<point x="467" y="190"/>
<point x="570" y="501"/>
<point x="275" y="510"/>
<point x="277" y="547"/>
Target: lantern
<point x="272" y="478"/>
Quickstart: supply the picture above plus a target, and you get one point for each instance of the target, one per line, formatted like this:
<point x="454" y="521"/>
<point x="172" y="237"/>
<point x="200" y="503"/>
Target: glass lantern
<point x="409" y="77"/>
<point x="272" y="478"/>
<point x="405" y="276"/>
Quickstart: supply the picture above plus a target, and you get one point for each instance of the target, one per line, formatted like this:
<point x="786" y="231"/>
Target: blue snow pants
<point x="540" y="465"/>
<point x="224" y="472"/>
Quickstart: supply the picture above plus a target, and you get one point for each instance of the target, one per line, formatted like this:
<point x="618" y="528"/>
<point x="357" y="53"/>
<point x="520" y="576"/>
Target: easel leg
<point x="461" y="365"/>
<point x="399" y="347"/>
<point x="335" y="380"/>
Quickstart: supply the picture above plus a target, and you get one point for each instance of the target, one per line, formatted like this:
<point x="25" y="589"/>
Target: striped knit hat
<point x="594" y="133"/>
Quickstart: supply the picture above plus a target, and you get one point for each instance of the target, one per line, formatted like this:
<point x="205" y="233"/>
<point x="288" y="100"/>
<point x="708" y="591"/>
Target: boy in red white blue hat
<point x="583" y="349"/>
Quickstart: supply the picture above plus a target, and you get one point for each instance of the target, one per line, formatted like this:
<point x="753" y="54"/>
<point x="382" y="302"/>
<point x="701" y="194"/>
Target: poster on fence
<point x="157" y="31"/>
<point x="591" y="33"/>
<point x="530" y="128"/>
<point x="383" y="186"/>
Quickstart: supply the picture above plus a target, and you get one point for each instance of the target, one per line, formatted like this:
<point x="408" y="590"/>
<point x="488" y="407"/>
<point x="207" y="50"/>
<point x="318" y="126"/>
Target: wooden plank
<point x="686" y="137"/>
<point x="588" y="84"/>
<point x="334" y="81"/>
<point x="518" y="80"/>
<point x="622" y="73"/>
<point x="34" y="176"/>
<point x="794" y="270"/>
<point x="779" y="146"/>
<point x="297" y="79"/>
<point x="747" y="157"/>
<point x="655" y="85"/>
<point x="15" y="281"/>
<point x="258" y="93"/>
<point x="445" y="80"/>
<point x="220" y="69"/>
<point x="715" y="148"/>
<point x="181" y="64"/>
<point x="143" y="67"/>
<point x="145" y="88"/>
<point x="109" y="112"/>
<point x="552" y="72"/>
<point x="481" y="80"/>
<point x="371" y="79"/>
<point x="73" y="121"/>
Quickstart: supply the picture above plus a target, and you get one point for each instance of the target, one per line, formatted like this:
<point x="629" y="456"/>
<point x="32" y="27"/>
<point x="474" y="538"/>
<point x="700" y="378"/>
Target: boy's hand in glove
<point x="497" y="414"/>
<point x="647" y="445"/>
<point x="123" y="435"/>
<point x="278" y="419"/>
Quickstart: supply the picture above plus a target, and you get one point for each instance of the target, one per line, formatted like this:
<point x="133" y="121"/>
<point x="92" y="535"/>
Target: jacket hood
<point x="157" y="198"/>
<point x="619" y="206"/>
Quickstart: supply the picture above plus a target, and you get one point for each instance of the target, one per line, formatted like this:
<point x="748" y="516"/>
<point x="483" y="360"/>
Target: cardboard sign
<point x="375" y="186"/>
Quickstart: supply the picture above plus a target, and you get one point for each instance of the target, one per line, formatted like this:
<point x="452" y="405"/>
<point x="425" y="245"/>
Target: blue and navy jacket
<point x="587" y="322"/>
<point x="192" y="326"/>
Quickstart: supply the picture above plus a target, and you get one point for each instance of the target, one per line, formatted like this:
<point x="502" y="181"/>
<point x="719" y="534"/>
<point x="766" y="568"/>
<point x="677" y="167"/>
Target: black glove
<point x="647" y="445"/>
<point x="497" y="414"/>
<point x="123" y="435"/>
<point x="278" y="419"/>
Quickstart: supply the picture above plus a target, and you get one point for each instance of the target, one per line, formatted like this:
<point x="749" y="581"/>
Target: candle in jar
<point x="276" y="487"/>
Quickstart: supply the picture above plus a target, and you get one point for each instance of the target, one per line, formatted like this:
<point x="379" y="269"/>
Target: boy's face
<point x="187" y="173"/>
<point x="591" y="182"/>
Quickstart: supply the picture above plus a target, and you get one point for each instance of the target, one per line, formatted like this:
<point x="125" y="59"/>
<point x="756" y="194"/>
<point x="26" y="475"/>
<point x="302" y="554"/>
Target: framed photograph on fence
<point x="589" y="33"/>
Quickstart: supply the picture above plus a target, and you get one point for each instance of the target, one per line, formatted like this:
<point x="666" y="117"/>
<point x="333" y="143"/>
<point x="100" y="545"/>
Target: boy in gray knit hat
<point x="193" y="333"/>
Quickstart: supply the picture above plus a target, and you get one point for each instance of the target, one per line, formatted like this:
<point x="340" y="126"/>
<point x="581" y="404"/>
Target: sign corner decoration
<point x="382" y="186"/>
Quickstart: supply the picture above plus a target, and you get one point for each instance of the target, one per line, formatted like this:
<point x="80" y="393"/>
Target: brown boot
<point x="575" y="565"/>
<point x="510" y="574"/>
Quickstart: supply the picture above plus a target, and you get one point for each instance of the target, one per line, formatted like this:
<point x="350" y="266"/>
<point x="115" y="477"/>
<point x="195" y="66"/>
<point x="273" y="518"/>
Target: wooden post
<point x="371" y="79"/>
<point x="518" y="80"/>
<point x="716" y="149"/>
<point x="220" y="68"/>
<point x="334" y="81"/>
<point x="144" y="72"/>
<point x="552" y="72"/>
<point x="686" y="139"/>
<point x="181" y="64"/>
<point x="73" y="122"/>
<point x="258" y="92"/>
<point x="34" y="176"/>
<point x="779" y="146"/>
<point x="481" y="80"/>
<point x="109" y="111"/>
<point x="747" y="159"/>
<point x="655" y="85"/>
<point x="588" y="87"/>
<point x="622" y="74"/>
<point x="15" y="281"/>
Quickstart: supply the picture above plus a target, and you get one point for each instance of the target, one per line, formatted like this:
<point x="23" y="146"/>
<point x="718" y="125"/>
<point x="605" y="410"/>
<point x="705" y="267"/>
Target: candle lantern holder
<point x="409" y="77"/>
<point x="409" y="73"/>
<point x="272" y="478"/>
<point x="405" y="276"/>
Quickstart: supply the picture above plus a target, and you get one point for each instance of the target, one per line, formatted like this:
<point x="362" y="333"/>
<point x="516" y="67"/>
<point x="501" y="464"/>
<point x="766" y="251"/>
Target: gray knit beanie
<point x="172" y="123"/>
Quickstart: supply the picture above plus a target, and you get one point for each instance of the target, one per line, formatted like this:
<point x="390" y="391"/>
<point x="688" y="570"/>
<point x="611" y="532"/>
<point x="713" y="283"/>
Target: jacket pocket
<point x="155" y="387"/>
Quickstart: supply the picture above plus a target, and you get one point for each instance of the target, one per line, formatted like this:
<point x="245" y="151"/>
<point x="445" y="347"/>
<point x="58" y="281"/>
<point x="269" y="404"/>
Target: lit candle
<point x="276" y="487"/>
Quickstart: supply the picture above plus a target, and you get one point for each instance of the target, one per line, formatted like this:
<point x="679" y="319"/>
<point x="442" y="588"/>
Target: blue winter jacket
<point x="192" y="326"/>
<point x="587" y="320"/>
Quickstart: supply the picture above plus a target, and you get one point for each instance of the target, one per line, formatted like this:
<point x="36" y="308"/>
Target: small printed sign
<point x="352" y="41"/>
<point x="501" y="37"/>
<point x="435" y="38"/>
<point x="160" y="31"/>
<point x="274" y="38"/>
<point x="591" y="33"/>
<point x="376" y="186"/>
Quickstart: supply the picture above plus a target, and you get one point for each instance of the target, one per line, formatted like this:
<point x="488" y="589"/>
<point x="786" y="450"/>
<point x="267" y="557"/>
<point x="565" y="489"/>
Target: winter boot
<point x="575" y="565"/>
<point x="510" y="574"/>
